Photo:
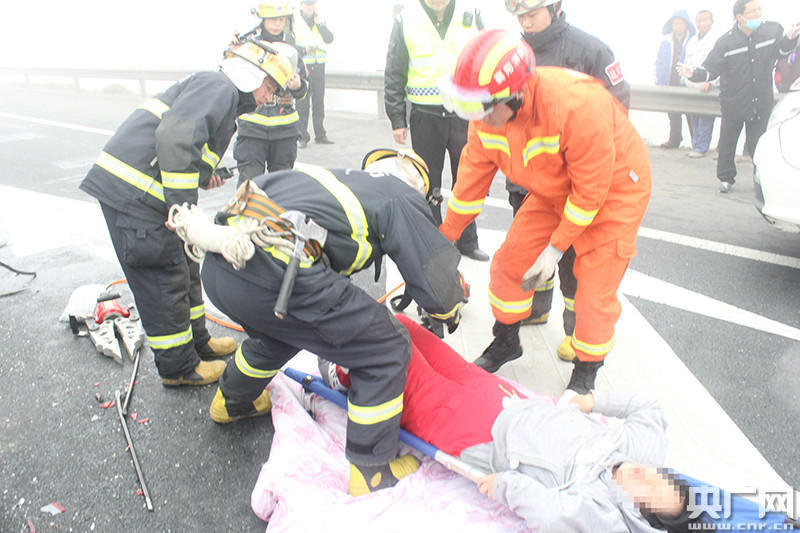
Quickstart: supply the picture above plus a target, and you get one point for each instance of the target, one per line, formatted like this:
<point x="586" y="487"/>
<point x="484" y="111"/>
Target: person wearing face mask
<point x="164" y="151"/>
<point x="557" y="43"/>
<point x="562" y="136"/>
<point x="743" y="59"/>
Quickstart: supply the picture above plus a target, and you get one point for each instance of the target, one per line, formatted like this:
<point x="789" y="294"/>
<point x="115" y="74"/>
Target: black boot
<point x="583" y="374"/>
<point x="504" y="348"/>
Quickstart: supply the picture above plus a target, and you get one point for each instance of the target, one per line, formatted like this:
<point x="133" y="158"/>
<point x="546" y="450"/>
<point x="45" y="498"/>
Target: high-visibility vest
<point x="430" y="56"/>
<point x="310" y="38"/>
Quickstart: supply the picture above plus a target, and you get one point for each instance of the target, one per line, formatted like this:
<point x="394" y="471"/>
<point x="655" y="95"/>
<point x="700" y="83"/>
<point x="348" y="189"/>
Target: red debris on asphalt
<point x="106" y="405"/>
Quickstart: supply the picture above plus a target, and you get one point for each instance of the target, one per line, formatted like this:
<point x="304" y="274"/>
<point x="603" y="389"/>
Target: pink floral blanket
<point x="303" y="485"/>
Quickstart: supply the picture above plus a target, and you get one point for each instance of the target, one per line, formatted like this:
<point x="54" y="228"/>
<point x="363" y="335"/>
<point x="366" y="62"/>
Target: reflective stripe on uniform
<point x="244" y="367"/>
<point x="547" y="285"/>
<point x="180" y="180"/>
<point x="517" y="307"/>
<point x="155" y="106"/>
<point x="209" y="157"/>
<point x="450" y="314"/>
<point x="569" y="304"/>
<point x="127" y="173"/>
<point x="597" y="350"/>
<point x="374" y="414"/>
<point x="493" y="141"/>
<point x="352" y="209"/>
<point x="464" y="208"/>
<point x="578" y="216"/>
<point x="276" y="120"/>
<point x="541" y="145"/>
<point x="165" y="342"/>
<point x="197" y="312"/>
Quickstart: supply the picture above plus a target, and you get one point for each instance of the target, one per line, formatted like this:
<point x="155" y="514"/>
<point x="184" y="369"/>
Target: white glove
<point x="542" y="269"/>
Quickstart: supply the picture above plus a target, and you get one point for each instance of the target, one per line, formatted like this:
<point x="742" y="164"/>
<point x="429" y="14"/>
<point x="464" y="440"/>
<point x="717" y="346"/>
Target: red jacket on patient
<point x="442" y="387"/>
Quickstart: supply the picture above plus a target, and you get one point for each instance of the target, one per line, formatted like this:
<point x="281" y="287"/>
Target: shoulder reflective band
<point x="375" y="414"/>
<point x="277" y="120"/>
<point x="511" y="307"/>
<point x="492" y="141"/>
<point x="244" y="367"/>
<point x="164" y="342"/>
<point x="541" y="145"/>
<point x="128" y="174"/>
<point x="578" y="216"/>
<point x="180" y="180"/>
<point x="155" y="106"/>
<point x="351" y="207"/>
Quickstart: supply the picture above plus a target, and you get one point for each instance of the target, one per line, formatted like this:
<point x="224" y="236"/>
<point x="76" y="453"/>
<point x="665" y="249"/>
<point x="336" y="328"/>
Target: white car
<point x="776" y="178"/>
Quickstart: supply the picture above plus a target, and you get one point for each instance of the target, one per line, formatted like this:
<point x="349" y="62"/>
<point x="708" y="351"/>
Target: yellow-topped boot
<point x="565" y="351"/>
<point x="366" y="479"/>
<point x="204" y="373"/>
<point x="224" y="410"/>
<point x="217" y="347"/>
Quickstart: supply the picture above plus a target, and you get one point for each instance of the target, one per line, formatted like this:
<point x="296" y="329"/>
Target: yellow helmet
<point x="274" y="9"/>
<point x="248" y="63"/>
<point x="406" y="165"/>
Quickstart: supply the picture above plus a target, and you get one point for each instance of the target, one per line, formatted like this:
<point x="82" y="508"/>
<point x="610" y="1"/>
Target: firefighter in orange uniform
<point x="559" y="134"/>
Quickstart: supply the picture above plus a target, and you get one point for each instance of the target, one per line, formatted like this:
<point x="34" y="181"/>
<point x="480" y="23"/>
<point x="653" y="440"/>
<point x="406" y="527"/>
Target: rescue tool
<point x="134" y="458"/>
<point x="304" y="229"/>
<point x="111" y="317"/>
<point x="316" y="385"/>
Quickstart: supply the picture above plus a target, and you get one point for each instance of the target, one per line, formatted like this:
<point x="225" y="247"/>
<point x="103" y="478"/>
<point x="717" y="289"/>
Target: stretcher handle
<point x="317" y="386"/>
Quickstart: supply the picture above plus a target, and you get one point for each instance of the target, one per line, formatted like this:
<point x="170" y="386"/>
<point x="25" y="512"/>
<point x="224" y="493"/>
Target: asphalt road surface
<point x="56" y="444"/>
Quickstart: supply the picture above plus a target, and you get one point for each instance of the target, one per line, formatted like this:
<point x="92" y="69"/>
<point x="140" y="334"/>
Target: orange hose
<point x="383" y="298"/>
<point x="237" y="327"/>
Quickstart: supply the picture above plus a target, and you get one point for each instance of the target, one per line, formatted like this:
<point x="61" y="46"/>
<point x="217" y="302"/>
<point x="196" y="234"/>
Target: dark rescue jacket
<point x="367" y="215"/>
<point x="168" y="147"/>
<point x="277" y="119"/>
<point x="744" y="65"/>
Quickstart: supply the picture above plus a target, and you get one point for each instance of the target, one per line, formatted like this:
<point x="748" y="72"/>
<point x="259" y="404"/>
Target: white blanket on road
<point x="303" y="485"/>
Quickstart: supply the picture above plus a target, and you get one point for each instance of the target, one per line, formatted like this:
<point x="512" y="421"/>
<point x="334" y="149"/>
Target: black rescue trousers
<point x="357" y="333"/>
<point x="254" y="156"/>
<point x="315" y="102"/>
<point x="543" y="296"/>
<point x="431" y="135"/>
<point x="729" y="132"/>
<point x="166" y="286"/>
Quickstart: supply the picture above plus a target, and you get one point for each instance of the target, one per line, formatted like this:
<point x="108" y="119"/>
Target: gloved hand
<point x="451" y="319"/>
<point x="543" y="268"/>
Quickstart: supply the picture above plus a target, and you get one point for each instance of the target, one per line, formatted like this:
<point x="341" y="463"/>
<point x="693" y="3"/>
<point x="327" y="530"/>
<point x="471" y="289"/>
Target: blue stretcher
<point x="735" y="513"/>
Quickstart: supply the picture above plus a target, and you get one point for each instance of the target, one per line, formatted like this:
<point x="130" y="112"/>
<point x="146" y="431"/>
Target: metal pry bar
<point x="138" y="468"/>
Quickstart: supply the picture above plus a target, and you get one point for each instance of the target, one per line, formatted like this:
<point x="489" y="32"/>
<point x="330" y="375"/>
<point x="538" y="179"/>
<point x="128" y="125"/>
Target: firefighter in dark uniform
<point x="267" y="137"/>
<point x="367" y="214"/>
<point x="557" y="43"/>
<point x="160" y="155"/>
<point x="424" y="43"/>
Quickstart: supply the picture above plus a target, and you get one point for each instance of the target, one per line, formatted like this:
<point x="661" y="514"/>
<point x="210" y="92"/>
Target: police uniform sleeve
<point x="302" y="91"/>
<point x="427" y="262"/>
<point x="587" y="141"/>
<point x="325" y="33"/>
<point x="395" y="78"/>
<point x="475" y="174"/>
<point x="182" y="138"/>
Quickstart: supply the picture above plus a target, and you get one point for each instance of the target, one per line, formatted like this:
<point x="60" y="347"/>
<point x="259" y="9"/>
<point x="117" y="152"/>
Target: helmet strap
<point x="515" y="104"/>
<point x="553" y="9"/>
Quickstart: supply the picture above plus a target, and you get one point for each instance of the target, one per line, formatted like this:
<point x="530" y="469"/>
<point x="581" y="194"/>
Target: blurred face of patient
<point x="650" y="489"/>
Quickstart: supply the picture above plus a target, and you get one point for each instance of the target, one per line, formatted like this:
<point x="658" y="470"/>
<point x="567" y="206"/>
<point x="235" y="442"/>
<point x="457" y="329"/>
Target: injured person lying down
<point x="552" y="464"/>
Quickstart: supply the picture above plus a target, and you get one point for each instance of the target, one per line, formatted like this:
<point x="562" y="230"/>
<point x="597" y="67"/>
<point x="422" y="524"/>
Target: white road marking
<point x="646" y="287"/>
<point x="22" y="136"/>
<point x="57" y="124"/>
<point x="70" y="164"/>
<point x="719" y="247"/>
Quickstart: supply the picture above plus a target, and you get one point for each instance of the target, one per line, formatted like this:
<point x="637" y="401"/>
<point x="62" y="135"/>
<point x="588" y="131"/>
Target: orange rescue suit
<point x="586" y="168"/>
